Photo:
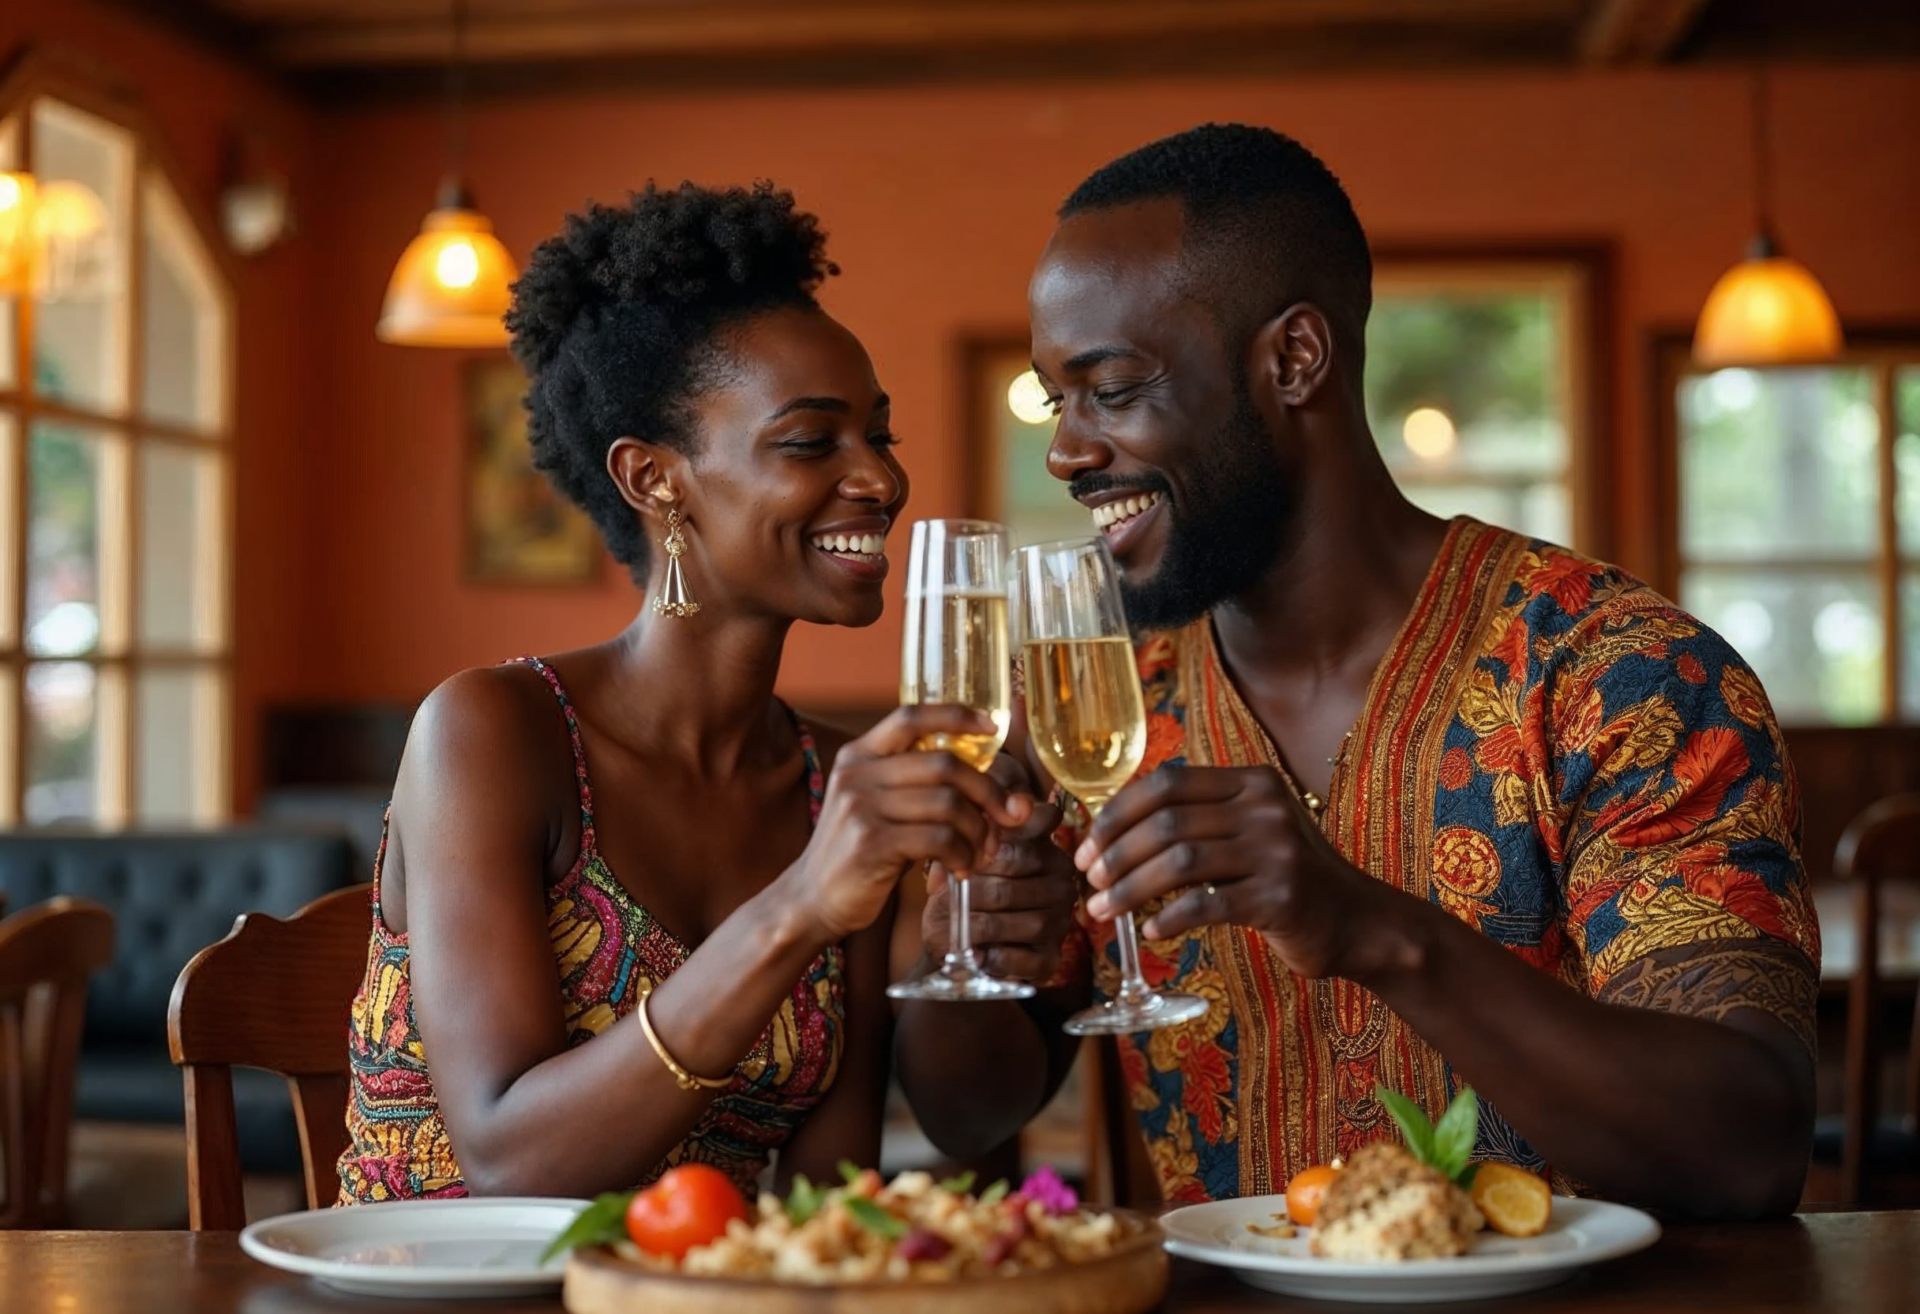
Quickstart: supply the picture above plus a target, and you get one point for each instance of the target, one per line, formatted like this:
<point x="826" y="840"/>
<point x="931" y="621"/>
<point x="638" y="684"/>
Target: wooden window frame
<point x="1881" y="348"/>
<point x="121" y="657"/>
<point x="1586" y="268"/>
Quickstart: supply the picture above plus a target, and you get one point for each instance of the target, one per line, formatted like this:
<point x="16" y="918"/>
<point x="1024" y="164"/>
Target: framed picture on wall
<point x="519" y="530"/>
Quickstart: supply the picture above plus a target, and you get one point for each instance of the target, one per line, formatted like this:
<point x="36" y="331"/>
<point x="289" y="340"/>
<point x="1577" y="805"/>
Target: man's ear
<point x="1293" y="354"/>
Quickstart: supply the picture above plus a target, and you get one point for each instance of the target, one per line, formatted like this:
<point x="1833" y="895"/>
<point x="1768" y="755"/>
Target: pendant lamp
<point x="1768" y="309"/>
<point x="452" y="285"/>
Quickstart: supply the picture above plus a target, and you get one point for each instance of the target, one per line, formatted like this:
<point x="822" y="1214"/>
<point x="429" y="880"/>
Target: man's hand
<point x="1020" y="902"/>
<point x="1247" y="853"/>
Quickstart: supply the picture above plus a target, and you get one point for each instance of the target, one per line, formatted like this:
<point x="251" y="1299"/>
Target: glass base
<point x="1122" y="1017"/>
<point x="959" y="985"/>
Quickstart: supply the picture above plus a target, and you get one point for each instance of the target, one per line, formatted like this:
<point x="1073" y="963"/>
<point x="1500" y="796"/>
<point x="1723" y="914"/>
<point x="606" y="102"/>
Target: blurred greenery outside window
<point x="115" y="469"/>
<point x="1799" y="528"/>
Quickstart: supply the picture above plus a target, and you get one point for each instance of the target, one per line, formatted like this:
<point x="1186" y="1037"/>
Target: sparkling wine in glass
<point x="1088" y="725"/>
<point x="955" y="651"/>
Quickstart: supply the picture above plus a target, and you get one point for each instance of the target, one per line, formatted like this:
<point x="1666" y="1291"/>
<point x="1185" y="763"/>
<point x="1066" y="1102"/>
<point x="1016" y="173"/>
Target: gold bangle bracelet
<point x="681" y="1077"/>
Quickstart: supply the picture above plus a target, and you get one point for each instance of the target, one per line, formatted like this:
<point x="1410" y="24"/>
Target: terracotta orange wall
<point x="196" y="99"/>
<point x="937" y="201"/>
<point x="348" y="582"/>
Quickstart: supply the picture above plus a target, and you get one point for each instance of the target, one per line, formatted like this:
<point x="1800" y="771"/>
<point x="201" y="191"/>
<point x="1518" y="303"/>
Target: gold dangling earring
<point x="673" y="599"/>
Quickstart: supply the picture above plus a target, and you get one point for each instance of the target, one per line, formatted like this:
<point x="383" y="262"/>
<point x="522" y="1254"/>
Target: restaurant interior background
<point x="241" y="536"/>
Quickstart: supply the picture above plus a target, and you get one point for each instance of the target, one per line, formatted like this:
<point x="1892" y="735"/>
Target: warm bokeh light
<point x="1428" y="432"/>
<point x="451" y="287"/>
<point x="1027" y="399"/>
<point x="1766" y="311"/>
<point x="457" y="265"/>
<point x="17" y="244"/>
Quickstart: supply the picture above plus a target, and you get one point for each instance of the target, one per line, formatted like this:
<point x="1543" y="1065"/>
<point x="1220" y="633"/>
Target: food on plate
<point x="1388" y="1206"/>
<point x="689" y="1206"/>
<point x="1278" y="1230"/>
<point x="1395" y="1202"/>
<point x="1305" y="1190"/>
<point x="1514" y="1200"/>
<point x="864" y="1230"/>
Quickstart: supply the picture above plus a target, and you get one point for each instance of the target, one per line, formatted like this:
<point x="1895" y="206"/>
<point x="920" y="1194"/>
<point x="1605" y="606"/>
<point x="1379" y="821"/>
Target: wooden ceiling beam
<point x="1627" y="32"/>
<point x="841" y="27"/>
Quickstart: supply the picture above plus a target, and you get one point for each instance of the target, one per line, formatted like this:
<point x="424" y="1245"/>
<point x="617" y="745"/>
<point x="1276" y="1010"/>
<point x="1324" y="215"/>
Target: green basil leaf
<point x="849" y="1171"/>
<point x="875" y="1219"/>
<point x="804" y="1200"/>
<point x="1413" y="1124"/>
<point x="960" y="1185"/>
<point x="995" y="1193"/>
<point x="1453" y="1135"/>
<point x="600" y="1222"/>
<point x="1465" y="1180"/>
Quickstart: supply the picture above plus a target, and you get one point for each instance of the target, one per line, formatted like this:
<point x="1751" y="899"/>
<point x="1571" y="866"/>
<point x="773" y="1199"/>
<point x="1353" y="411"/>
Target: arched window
<point x="116" y="468"/>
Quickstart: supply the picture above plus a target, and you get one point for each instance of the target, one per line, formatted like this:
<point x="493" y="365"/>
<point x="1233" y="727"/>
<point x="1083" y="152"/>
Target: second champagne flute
<point x="1088" y="724"/>
<point x="955" y="651"/>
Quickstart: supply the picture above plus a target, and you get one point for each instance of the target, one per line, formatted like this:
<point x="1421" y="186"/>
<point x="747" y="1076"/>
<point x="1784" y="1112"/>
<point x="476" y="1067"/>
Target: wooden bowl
<point x="1131" y="1280"/>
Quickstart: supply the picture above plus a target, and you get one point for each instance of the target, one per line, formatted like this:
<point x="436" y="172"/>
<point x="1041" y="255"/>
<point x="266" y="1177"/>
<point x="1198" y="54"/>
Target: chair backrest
<point x="1882" y="845"/>
<point x="47" y="952"/>
<point x="273" y="995"/>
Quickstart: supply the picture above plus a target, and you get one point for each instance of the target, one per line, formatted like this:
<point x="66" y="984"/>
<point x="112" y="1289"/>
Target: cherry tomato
<point x="1305" y="1190"/>
<point x="689" y="1206"/>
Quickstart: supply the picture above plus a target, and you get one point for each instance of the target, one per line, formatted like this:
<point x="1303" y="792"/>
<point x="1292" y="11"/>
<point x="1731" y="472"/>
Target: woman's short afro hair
<point x="616" y="319"/>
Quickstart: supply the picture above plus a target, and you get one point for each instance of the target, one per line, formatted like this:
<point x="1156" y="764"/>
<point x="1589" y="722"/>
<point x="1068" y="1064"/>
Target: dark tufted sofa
<point x="172" y="894"/>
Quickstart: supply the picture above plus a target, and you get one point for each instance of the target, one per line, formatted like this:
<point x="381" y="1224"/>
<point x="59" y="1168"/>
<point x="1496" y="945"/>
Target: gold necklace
<point x="1314" y="803"/>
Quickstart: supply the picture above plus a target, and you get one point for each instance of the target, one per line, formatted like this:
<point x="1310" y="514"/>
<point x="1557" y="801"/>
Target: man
<point x="1425" y="804"/>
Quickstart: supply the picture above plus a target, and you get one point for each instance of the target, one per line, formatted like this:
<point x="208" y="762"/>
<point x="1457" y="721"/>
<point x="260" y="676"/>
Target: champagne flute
<point x="955" y="651"/>
<point x="1088" y="724"/>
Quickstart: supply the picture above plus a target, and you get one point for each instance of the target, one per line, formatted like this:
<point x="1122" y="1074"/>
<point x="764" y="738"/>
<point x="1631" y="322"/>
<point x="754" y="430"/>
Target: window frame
<point x="37" y="74"/>
<point x="1879" y="348"/>
<point x="1584" y="269"/>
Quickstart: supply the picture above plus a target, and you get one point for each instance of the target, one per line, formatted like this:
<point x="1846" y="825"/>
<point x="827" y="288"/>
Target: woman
<point x="636" y="844"/>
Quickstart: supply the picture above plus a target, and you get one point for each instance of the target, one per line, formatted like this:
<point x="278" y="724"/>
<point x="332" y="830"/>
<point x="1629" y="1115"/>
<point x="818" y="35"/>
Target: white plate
<point x="452" y="1248"/>
<point x="1582" y="1232"/>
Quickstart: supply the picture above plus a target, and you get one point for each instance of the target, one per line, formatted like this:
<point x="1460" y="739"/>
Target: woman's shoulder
<point x="486" y="707"/>
<point x="497" y="730"/>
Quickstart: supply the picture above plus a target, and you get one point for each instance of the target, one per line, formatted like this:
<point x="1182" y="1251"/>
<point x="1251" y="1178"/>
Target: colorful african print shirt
<point x="1549" y="751"/>
<point x="607" y="952"/>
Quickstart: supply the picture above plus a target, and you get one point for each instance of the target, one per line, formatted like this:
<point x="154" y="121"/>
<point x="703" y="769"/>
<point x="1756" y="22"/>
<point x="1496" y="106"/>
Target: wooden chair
<point x="1881" y="846"/>
<point x="273" y="995"/>
<point x="47" y="952"/>
<point x="1119" y="1172"/>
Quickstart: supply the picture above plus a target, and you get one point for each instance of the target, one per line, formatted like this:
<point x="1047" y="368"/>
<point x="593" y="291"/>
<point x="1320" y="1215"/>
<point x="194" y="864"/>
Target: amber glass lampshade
<point x="452" y="285"/>
<point x="1766" y="310"/>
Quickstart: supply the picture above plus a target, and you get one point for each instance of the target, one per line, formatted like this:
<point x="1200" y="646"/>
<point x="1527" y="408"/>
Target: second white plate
<point x="1582" y="1232"/>
<point x="447" y="1248"/>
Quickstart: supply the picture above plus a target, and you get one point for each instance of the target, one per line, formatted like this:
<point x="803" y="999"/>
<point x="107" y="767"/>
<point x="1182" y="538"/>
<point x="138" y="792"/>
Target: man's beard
<point x="1227" y="531"/>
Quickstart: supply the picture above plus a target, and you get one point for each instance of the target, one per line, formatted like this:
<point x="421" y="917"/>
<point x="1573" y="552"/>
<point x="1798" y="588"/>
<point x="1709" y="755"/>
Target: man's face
<point x="1158" y="436"/>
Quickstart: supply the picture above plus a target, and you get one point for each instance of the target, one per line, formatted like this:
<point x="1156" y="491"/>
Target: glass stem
<point x="960" y="955"/>
<point x="1133" y="982"/>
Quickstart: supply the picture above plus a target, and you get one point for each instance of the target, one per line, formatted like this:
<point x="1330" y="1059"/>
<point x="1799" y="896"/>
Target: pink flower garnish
<point x="1044" y="1187"/>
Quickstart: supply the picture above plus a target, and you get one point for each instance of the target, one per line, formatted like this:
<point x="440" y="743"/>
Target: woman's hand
<point x="887" y="808"/>
<point x="1020" y="902"/>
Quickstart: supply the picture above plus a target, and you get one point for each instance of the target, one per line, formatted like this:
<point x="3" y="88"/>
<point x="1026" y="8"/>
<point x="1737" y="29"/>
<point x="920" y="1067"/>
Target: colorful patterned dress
<point x="605" y="948"/>
<point x="1551" y="752"/>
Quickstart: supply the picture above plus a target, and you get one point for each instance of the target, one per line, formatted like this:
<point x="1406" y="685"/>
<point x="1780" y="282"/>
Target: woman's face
<point x="793" y="487"/>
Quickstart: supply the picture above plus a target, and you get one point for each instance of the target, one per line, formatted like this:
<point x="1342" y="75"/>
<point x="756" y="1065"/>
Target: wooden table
<point x="1824" y="1262"/>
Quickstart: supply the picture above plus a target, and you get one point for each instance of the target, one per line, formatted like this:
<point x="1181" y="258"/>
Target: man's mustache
<point x="1089" y="483"/>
